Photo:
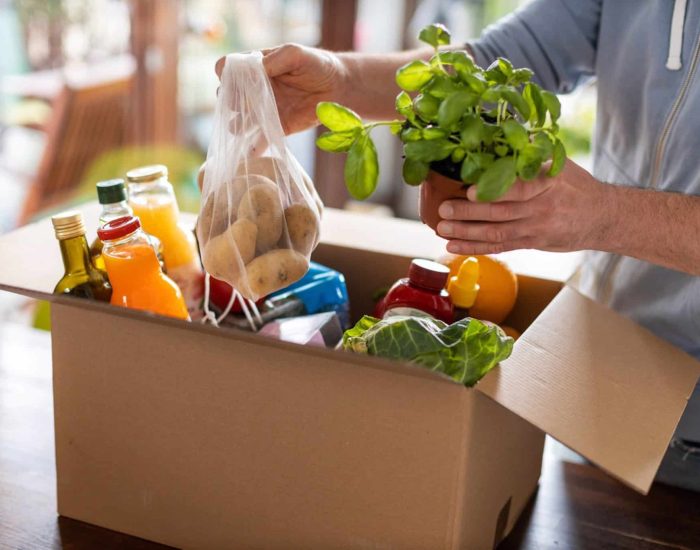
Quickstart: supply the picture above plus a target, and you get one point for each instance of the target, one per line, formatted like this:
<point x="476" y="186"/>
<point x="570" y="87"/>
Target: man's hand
<point x="301" y="77"/>
<point x="571" y="211"/>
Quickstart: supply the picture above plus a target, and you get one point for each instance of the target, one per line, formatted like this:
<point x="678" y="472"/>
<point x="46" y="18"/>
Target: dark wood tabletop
<point x="576" y="507"/>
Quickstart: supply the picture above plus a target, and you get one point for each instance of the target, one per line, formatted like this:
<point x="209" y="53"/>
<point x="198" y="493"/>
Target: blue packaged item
<point x="321" y="289"/>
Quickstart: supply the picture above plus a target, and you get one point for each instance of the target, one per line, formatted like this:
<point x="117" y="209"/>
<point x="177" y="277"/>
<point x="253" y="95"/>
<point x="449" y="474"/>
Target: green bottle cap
<point x="111" y="191"/>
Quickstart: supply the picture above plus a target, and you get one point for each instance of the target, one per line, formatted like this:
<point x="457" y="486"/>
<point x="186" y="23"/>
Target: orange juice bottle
<point x="134" y="271"/>
<point x="152" y="198"/>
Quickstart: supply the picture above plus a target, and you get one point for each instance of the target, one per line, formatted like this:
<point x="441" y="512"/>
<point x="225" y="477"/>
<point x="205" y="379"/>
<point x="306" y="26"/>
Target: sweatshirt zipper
<point x="658" y="157"/>
<point x="605" y="287"/>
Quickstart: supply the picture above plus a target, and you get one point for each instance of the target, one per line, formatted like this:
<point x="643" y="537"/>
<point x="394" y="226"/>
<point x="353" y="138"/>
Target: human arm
<point x="557" y="39"/>
<point x="574" y="211"/>
<point x="301" y="77"/>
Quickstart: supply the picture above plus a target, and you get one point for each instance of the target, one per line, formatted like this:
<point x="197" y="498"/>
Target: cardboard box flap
<point x="599" y="383"/>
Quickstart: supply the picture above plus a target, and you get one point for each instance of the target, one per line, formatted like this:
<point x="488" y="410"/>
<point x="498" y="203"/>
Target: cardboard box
<point x="204" y="438"/>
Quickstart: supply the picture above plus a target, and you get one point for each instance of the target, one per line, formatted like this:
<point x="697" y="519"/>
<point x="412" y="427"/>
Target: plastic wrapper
<point x="260" y="215"/>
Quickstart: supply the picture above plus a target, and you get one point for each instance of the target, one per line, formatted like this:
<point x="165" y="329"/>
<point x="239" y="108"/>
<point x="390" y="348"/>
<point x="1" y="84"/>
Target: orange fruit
<point x="498" y="287"/>
<point x="510" y="331"/>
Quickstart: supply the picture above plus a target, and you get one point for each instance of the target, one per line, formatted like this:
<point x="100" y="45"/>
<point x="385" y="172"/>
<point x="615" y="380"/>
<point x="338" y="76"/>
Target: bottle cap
<point x="116" y="229"/>
<point x="463" y="287"/>
<point x="147" y="174"/>
<point x="428" y="274"/>
<point x="68" y="224"/>
<point x="111" y="191"/>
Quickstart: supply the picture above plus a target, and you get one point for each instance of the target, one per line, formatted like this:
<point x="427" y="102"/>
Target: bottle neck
<point x="114" y="211"/>
<point x="76" y="255"/>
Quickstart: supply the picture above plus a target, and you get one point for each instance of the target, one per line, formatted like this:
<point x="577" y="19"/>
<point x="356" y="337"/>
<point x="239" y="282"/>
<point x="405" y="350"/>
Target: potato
<point x="213" y="217"/>
<point x="263" y="166"/>
<point x="220" y="261"/>
<point x="311" y="188"/>
<point x="220" y="258"/>
<point x="244" y="234"/>
<point x="302" y="226"/>
<point x="274" y="270"/>
<point x="240" y="185"/>
<point x="261" y="204"/>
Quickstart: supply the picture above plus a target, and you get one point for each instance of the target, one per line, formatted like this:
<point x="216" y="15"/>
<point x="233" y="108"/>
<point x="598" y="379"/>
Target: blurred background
<point x="91" y="88"/>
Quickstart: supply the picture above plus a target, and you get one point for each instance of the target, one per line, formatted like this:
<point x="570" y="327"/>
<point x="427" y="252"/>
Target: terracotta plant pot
<point x="433" y="191"/>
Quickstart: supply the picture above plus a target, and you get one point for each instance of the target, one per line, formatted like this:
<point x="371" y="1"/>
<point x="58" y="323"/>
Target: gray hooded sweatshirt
<point x="645" y="56"/>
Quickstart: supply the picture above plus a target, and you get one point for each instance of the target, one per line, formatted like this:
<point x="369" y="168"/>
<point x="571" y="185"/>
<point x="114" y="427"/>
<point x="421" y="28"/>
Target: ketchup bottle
<point x="421" y="294"/>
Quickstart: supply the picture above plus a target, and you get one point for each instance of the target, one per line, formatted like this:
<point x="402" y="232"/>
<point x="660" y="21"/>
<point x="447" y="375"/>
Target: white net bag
<point x="260" y="214"/>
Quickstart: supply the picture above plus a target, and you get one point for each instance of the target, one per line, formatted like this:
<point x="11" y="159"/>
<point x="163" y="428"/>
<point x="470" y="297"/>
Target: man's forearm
<point x="659" y="227"/>
<point x="371" y="87"/>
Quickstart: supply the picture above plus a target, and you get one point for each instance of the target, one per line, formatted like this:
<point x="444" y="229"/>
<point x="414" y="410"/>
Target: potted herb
<point x="464" y="125"/>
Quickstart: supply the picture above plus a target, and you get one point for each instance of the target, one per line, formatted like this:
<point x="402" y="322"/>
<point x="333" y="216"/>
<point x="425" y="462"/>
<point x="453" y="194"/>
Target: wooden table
<point x="577" y="506"/>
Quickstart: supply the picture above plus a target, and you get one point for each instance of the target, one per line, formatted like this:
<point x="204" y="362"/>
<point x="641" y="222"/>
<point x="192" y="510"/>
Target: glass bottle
<point x="81" y="277"/>
<point x="153" y="200"/>
<point x="111" y="194"/>
<point x="137" y="279"/>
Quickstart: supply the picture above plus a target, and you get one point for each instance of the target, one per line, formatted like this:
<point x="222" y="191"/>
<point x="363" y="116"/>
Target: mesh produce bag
<point x="260" y="214"/>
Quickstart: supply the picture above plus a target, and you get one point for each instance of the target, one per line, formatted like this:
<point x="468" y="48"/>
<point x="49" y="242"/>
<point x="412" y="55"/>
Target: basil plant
<point x="482" y="126"/>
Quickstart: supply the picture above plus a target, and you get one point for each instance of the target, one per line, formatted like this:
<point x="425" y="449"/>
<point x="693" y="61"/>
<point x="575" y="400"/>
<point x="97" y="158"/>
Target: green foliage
<point x="465" y="351"/>
<point x="495" y="123"/>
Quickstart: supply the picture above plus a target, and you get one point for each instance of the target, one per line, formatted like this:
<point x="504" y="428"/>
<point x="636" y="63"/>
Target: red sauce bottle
<point x="421" y="293"/>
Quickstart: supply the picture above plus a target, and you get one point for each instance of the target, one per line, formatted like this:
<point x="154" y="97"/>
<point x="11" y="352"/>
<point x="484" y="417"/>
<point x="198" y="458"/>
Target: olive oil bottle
<point x="81" y="277"/>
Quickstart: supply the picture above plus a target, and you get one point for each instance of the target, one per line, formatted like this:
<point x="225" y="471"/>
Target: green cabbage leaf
<point x="465" y="350"/>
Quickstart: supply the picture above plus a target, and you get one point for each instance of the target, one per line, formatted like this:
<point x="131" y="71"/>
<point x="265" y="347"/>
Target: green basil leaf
<point x="454" y="107"/>
<point x="414" y="75"/>
<point x="336" y="117"/>
<point x="533" y="97"/>
<point x="404" y="105"/>
<point x="489" y="132"/>
<point x="441" y="86"/>
<point x="521" y="76"/>
<point x="411" y="134"/>
<point x="516" y="136"/>
<point x="460" y="60"/>
<point x="491" y="95"/>
<point x="472" y="132"/>
<point x="551" y="101"/>
<point x="543" y="141"/>
<point x="457" y="155"/>
<point x="470" y="170"/>
<point x="335" y="142"/>
<point x="361" y="168"/>
<point x="433" y="133"/>
<point x="429" y="150"/>
<point x="494" y="73"/>
<point x="475" y="81"/>
<point x="395" y="127"/>
<point x="512" y="96"/>
<point x="558" y="158"/>
<point x="530" y="160"/>
<point x="426" y="106"/>
<point x="415" y="171"/>
<point x="496" y="179"/>
<point x="435" y="35"/>
<point x="501" y="150"/>
<point x="505" y="66"/>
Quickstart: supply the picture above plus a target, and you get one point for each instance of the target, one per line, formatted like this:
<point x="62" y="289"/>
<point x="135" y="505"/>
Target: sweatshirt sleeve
<point x="557" y="39"/>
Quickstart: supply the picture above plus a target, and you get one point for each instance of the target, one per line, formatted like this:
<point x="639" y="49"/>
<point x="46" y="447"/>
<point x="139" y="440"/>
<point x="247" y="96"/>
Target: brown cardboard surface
<point x="598" y="383"/>
<point x="196" y="440"/>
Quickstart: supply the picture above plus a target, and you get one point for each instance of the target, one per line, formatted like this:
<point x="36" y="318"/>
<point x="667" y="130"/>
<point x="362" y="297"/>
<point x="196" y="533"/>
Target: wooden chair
<point x="87" y="120"/>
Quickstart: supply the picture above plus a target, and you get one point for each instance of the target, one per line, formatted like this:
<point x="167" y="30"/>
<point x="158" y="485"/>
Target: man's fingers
<point x="520" y="191"/>
<point x="461" y="209"/>
<point x="483" y="232"/>
<point x="281" y="60"/>
<point x="468" y="248"/>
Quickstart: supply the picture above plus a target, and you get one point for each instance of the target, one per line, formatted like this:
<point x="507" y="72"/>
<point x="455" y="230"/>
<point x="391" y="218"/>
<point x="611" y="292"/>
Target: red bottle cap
<point x="428" y="274"/>
<point x="116" y="229"/>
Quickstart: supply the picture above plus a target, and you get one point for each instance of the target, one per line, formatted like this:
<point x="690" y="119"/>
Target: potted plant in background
<point x="464" y="125"/>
